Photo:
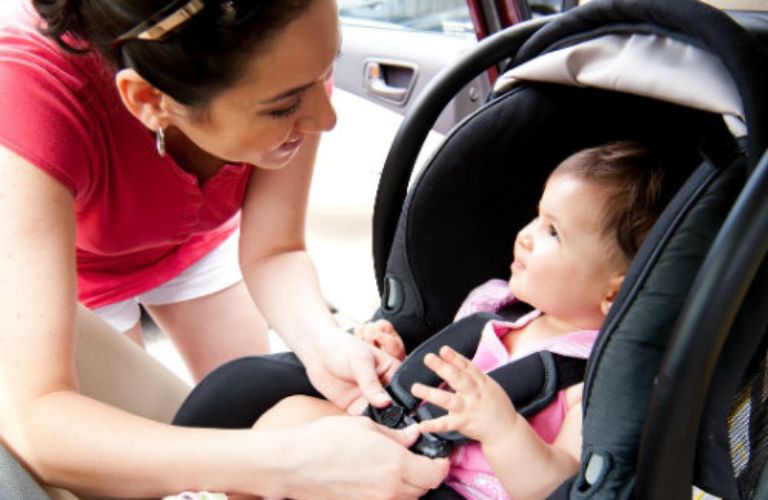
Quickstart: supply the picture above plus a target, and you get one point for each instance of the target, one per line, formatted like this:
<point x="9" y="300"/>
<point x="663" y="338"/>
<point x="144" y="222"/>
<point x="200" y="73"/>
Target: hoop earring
<point x="160" y="141"/>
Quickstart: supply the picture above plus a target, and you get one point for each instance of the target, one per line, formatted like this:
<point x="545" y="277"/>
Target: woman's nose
<point x="319" y="115"/>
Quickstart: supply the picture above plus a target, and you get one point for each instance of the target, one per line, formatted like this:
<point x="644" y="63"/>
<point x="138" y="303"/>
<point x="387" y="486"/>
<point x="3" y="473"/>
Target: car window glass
<point x="545" y="7"/>
<point x="440" y="16"/>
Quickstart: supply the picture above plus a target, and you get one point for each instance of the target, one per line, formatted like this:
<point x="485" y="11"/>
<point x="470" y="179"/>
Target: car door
<point x="391" y="49"/>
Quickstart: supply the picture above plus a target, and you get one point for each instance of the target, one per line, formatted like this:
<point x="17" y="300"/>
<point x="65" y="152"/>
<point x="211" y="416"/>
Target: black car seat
<point x="686" y="339"/>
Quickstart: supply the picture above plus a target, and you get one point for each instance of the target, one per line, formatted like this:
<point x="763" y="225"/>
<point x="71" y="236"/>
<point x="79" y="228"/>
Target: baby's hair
<point x="633" y="177"/>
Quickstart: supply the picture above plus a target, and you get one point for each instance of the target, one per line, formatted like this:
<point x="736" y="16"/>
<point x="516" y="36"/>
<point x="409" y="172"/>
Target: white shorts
<point x="218" y="270"/>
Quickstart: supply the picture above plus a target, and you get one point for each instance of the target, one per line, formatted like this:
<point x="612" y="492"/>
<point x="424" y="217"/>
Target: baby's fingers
<point x="444" y="399"/>
<point x="454" y="358"/>
<point x="459" y="376"/>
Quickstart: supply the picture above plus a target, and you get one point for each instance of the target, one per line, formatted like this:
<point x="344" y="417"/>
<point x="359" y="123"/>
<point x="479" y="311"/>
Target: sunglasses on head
<point x="170" y="19"/>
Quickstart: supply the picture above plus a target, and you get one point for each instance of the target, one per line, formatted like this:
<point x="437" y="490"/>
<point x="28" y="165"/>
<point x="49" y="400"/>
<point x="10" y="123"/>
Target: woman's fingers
<point x="406" y="436"/>
<point x="364" y="371"/>
<point x="420" y="473"/>
<point x="424" y="473"/>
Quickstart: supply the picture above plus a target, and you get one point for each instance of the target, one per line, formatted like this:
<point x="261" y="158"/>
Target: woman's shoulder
<point x="59" y="102"/>
<point x="29" y="55"/>
<point x="20" y="34"/>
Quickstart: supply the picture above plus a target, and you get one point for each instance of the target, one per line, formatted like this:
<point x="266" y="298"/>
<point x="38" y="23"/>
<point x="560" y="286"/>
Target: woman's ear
<point x="142" y="99"/>
<point x="614" y="284"/>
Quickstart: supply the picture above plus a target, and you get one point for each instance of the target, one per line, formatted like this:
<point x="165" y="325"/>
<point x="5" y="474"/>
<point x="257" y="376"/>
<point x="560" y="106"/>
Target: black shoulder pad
<point x="463" y="336"/>
<point x="531" y="382"/>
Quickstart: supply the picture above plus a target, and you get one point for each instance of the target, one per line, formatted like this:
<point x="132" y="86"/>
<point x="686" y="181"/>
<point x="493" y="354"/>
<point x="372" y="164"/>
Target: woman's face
<point x="280" y="100"/>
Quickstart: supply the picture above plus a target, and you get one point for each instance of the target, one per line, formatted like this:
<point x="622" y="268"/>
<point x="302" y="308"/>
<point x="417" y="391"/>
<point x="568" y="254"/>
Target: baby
<point x="569" y="263"/>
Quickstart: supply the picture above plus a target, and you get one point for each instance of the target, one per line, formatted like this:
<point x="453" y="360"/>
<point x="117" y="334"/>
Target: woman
<point x="230" y="98"/>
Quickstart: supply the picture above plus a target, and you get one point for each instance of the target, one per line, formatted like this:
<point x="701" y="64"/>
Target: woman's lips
<point x="291" y="144"/>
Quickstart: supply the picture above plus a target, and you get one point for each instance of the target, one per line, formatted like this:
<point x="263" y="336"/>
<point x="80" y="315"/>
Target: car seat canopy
<point x="645" y="64"/>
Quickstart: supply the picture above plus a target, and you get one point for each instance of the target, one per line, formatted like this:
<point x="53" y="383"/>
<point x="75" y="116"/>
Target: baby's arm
<point x="383" y="335"/>
<point x="480" y="409"/>
<point x="519" y="454"/>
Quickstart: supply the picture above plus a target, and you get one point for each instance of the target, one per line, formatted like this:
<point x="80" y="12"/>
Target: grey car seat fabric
<point x="16" y="483"/>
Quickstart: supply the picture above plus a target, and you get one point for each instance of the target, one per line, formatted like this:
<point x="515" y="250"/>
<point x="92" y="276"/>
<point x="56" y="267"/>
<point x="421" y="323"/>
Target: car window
<point x="546" y="7"/>
<point x="440" y="16"/>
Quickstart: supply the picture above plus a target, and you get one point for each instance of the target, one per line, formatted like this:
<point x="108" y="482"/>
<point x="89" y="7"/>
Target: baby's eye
<point x="552" y="231"/>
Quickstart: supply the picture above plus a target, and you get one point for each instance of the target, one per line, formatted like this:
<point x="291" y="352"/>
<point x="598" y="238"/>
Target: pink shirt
<point x="141" y="219"/>
<point x="470" y="473"/>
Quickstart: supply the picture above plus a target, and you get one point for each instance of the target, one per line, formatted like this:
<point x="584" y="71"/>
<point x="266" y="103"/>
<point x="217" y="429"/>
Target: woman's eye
<point x="287" y="111"/>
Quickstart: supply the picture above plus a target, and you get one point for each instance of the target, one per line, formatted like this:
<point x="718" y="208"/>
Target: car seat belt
<point x="531" y="382"/>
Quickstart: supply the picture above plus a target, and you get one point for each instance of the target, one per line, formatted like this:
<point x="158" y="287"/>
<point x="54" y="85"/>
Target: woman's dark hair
<point x="205" y="55"/>
<point x="634" y="179"/>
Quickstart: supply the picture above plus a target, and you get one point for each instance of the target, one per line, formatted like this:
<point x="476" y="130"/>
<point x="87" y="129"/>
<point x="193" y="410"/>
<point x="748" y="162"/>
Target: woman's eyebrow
<point x="284" y="95"/>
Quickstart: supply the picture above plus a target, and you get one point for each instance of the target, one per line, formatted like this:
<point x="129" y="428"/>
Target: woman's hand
<point x="477" y="408"/>
<point x="352" y="458"/>
<point x="382" y="334"/>
<point x="350" y="373"/>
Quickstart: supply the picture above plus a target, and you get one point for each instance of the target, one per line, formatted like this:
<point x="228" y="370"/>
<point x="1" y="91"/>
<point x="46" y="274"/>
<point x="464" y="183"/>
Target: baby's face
<point x="563" y="263"/>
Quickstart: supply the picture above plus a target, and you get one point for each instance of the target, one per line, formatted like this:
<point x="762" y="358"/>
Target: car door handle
<point x="391" y="81"/>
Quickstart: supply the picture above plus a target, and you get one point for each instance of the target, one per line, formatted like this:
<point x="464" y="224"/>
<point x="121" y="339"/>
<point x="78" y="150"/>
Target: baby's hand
<point x="478" y="408"/>
<point x="382" y="334"/>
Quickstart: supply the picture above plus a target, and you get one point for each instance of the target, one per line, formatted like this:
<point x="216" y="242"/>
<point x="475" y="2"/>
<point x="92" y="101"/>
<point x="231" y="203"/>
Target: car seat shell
<point x="524" y="118"/>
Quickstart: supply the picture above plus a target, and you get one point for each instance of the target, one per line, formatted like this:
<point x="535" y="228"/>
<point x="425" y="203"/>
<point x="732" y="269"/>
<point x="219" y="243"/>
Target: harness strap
<point x="463" y="336"/>
<point x="531" y="382"/>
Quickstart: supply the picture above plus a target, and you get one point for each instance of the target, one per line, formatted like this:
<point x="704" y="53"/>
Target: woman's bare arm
<point x="63" y="437"/>
<point x="69" y="440"/>
<point x="283" y="282"/>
